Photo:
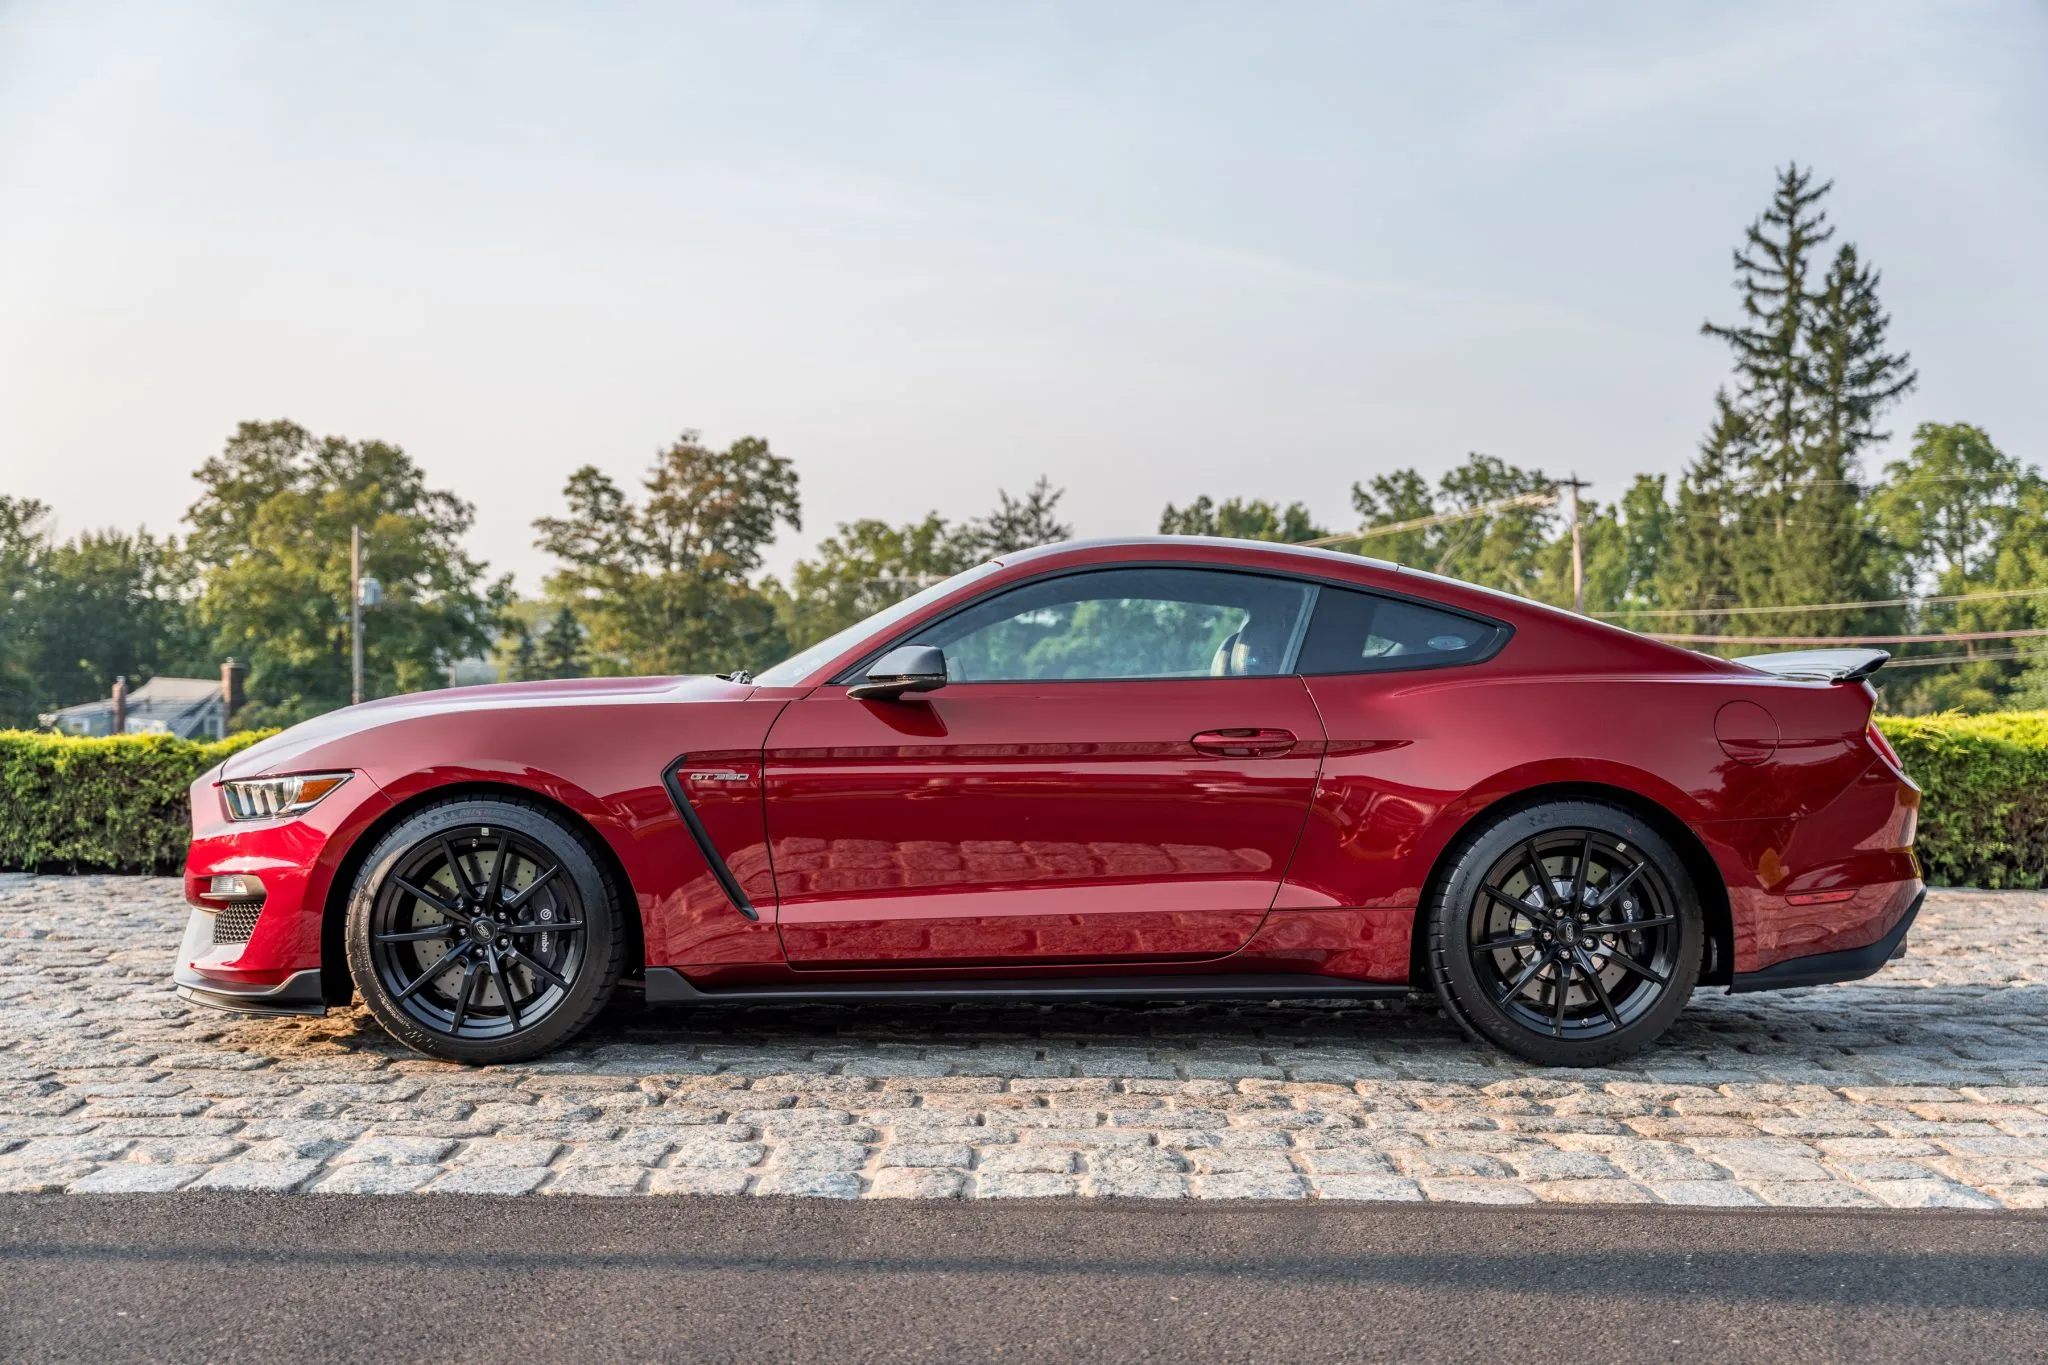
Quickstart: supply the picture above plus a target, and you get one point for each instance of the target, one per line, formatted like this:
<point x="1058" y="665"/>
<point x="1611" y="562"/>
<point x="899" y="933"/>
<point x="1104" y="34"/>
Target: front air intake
<point x="234" y="923"/>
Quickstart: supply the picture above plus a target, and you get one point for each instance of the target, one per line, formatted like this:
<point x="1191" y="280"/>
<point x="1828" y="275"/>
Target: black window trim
<point x="1503" y="632"/>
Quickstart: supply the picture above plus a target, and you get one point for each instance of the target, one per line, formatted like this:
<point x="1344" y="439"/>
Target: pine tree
<point x="1771" y="512"/>
<point x="561" y="647"/>
<point x="1701" y="554"/>
<point x="1772" y="366"/>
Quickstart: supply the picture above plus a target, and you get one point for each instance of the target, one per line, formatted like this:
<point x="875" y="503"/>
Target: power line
<point x="1440" y="519"/>
<point x="1846" y="639"/>
<point x="1986" y="596"/>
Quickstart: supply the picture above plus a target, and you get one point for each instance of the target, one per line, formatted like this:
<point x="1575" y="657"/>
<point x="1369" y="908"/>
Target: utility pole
<point x="355" y="611"/>
<point x="1575" y="483"/>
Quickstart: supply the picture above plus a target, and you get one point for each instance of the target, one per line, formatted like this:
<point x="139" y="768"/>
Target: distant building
<point x="190" y="708"/>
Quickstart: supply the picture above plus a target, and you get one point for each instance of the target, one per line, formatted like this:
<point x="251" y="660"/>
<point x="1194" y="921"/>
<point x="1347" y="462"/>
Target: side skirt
<point x="667" y="986"/>
<point x="1822" y="969"/>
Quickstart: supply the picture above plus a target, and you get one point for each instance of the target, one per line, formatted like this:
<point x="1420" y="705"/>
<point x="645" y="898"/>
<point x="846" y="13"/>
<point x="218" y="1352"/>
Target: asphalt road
<point x="313" y="1278"/>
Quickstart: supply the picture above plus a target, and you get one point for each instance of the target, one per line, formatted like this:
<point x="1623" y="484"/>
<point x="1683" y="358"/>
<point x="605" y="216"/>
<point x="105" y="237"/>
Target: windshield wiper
<point x="738" y="675"/>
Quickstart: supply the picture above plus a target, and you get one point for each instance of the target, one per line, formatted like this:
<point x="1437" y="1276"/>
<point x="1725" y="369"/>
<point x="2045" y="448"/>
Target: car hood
<point x="278" y="753"/>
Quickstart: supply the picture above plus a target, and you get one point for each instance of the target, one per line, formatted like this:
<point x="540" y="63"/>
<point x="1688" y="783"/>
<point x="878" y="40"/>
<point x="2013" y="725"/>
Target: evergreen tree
<point x="1771" y="512"/>
<point x="561" y="653"/>
<point x="1700" y="563"/>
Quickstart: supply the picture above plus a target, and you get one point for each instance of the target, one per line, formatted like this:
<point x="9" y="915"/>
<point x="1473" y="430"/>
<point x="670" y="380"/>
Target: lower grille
<point x="235" y="923"/>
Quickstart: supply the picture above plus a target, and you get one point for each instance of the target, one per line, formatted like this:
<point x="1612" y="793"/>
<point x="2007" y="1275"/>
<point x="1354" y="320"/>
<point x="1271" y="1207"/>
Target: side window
<point x="1126" y="623"/>
<point x="1357" y="632"/>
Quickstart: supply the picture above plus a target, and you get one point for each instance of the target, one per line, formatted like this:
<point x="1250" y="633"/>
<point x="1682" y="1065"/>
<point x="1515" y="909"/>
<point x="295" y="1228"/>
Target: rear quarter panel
<point x="1415" y="758"/>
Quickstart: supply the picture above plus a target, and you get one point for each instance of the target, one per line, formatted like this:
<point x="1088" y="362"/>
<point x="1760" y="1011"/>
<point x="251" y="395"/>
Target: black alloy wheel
<point x="484" y="930"/>
<point x="1568" y="934"/>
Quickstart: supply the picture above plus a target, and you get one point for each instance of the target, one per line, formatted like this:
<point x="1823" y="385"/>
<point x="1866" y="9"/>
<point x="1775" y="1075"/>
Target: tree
<point x="1241" y="520"/>
<point x="1390" y="499"/>
<point x="109" y="604"/>
<point x="518" y="654"/>
<point x="867" y="566"/>
<point x="1502" y="548"/>
<point x="1771" y="512"/>
<point x="1017" y="523"/>
<point x="1704" y="557"/>
<point x="24" y="540"/>
<point x="663" y="586"/>
<point x="270" y="540"/>
<point x="1948" y="503"/>
<point x="1966" y="517"/>
<point x="562" y="653"/>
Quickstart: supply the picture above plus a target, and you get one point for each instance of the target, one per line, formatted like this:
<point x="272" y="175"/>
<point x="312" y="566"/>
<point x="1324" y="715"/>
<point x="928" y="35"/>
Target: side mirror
<point x="906" y="668"/>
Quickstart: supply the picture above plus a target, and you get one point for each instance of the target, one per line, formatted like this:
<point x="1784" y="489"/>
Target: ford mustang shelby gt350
<point x="1163" y="768"/>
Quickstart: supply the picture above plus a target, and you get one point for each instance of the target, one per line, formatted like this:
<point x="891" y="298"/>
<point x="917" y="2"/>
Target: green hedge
<point x="1984" y="818"/>
<point x="118" y="805"/>
<point x="100" y="805"/>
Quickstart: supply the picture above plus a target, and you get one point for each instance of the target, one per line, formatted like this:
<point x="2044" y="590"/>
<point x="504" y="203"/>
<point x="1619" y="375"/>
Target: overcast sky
<point x="927" y="250"/>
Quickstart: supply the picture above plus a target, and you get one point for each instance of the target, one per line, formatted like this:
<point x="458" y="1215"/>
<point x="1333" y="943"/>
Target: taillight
<point x="1884" y="747"/>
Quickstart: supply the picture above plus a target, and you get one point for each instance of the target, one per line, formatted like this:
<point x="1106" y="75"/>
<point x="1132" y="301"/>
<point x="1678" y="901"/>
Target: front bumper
<point x="297" y="993"/>
<point x="275" y="967"/>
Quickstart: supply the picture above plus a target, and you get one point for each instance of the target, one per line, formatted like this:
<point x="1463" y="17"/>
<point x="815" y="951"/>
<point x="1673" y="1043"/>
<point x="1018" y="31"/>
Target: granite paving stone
<point x="1924" y="1086"/>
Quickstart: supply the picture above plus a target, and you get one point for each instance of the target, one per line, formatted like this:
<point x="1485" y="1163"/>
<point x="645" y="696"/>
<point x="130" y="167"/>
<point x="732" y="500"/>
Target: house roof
<point x="160" y="696"/>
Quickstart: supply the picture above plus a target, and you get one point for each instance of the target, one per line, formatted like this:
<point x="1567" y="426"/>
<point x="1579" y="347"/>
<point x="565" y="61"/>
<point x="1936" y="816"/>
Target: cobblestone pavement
<point x="1925" y="1086"/>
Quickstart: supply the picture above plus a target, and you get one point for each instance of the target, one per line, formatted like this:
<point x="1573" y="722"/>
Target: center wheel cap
<point x="482" y="930"/>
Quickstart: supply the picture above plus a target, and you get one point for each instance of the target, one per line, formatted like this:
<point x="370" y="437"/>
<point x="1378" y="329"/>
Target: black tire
<point x="1558" y="983"/>
<point x="524" y="903"/>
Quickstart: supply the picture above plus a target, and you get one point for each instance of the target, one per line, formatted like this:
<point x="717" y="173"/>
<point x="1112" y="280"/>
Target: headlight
<point x="266" y="798"/>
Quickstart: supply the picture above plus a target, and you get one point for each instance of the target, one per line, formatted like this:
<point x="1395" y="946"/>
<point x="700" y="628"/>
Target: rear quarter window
<point x="1361" y="632"/>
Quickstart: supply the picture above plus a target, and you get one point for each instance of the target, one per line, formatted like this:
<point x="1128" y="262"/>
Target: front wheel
<point x="1567" y="933"/>
<point x="485" y="930"/>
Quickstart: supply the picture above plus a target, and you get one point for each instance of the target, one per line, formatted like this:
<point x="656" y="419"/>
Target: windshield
<point x="797" y="667"/>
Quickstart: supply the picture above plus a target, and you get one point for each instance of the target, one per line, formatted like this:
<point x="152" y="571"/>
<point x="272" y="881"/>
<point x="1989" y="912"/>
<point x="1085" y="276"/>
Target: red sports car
<point x="1149" y="768"/>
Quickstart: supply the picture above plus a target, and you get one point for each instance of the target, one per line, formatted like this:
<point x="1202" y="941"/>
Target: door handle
<point x="1244" y="743"/>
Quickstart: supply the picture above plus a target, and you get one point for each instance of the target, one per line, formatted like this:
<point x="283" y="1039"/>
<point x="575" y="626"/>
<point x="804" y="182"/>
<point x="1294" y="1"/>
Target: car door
<point x="1117" y="769"/>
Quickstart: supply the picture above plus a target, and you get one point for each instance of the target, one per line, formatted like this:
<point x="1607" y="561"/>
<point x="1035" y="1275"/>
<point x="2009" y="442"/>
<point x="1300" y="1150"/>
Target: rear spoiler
<point x="1820" y="665"/>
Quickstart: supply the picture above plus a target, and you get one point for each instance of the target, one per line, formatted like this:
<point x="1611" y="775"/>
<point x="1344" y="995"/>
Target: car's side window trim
<point x="1503" y="632"/>
<point x="1291" y="656"/>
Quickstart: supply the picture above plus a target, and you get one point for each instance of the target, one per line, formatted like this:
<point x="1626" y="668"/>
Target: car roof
<point x="1308" y="554"/>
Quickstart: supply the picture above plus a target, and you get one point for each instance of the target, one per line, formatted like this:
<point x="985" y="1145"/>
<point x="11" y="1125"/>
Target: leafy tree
<point x="1949" y="503"/>
<point x="1017" y="523"/>
<point x="867" y="566"/>
<point x="270" y="541"/>
<point x="1241" y="520"/>
<point x="663" y="586"/>
<point x="23" y="542"/>
<point x="1391" y="499"/>
<point x="1503" y="548"/>
<point x="1966" y="517"/>
<point x="108" y="604"/>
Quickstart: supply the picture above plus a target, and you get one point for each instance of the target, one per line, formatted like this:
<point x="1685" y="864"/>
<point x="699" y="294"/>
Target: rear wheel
<point x="485" y="931"/>
<point x="1567" y="933"/>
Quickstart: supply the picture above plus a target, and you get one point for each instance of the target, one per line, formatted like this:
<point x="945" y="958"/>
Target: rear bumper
<point x="1821" y="969"/>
